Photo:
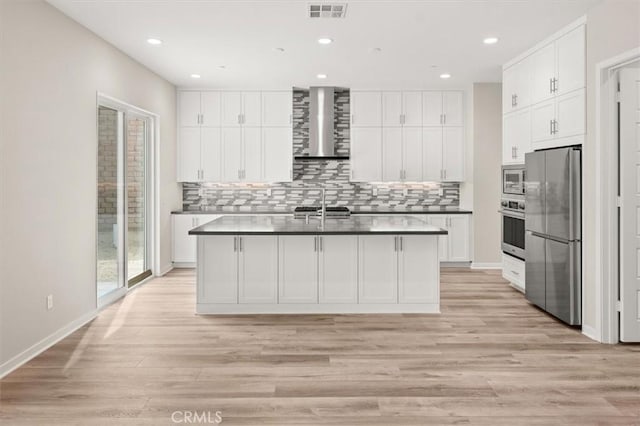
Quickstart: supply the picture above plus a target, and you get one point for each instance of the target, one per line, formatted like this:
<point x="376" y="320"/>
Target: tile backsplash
<point x="309" y="175"/>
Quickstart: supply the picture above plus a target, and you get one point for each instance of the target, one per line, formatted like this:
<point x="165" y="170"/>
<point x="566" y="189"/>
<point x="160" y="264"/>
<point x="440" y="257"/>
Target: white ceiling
<point x="419" y="39"/>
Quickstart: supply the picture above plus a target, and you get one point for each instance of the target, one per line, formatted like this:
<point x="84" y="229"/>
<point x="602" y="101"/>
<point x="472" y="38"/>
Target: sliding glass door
<point x="124" y="193"/>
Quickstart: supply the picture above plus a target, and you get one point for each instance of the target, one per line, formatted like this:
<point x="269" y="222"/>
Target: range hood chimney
<point x="321" y="138"/>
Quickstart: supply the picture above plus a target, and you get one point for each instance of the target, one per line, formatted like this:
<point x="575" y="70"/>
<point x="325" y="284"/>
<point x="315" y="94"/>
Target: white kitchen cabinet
<point x="189" y="108"/>
<point x="517" y="86"/>
<point x="559" y="121"/>
<point x="543" y="72"/>
<point x="218" y="270"/>
<point x="516" y="139"/>
<point x="199" y="109"/>
<point x="366" y="108"/>
<point x="184" y="245"/>
<point x="417" y="259"/>
<point x="453" y="247"/>
<point x="232" y="161"/>
<point x="338" y="268"/>
<point x="251" y="154"/>
<point x="199" y="155"/>
<point x="366" y="154"/>
<point x="277" y="154"/>
<point x="402" y="154"/>
<point x="442" y="108"/>
<point x="392" y="109"/>
<point x="513" y="270"/>
<point x="453" y="154"/>
<point x="277" y="109"/>
<point x="571" y="61"/>
<point x="377" y="269"/>
<point x="402" y="109"/>
<point x="241" y="109"/>
<point x="432" y="154"/>
<point x="298" y="272"/>
<point x="443" y="154"/>
<point x="392" y="154"/>
<point x="257" y="269"/>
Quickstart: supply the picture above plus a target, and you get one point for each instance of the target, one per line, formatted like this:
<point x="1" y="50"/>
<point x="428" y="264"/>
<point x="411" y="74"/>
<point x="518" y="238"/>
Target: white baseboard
<point x="479" y="265"/>
<point x="45" y="344"/>
<point x="591" y="333"/>
<point x="455" y="264"/>
<point x="165" y="269"/>
<point x="316" y="308"/>
<point x="184" y="265"/>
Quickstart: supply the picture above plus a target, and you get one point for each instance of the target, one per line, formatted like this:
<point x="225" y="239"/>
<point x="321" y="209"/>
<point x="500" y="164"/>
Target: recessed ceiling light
<point x="490" y="40"/>
<point x="445" y="76"/>
<point x="323" y="76"/>
<point x="279" y="49"/>
<point x="222" y="67"/>
<point x="195" y="75"/>
<point x="375" y="50"/>
<point x="154" y="41"/>
<point x="325" y="40"/>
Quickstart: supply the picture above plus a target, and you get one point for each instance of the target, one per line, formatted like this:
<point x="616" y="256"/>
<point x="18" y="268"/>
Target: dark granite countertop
<point x="443" y="210"/>
<point x="287" y="225"/>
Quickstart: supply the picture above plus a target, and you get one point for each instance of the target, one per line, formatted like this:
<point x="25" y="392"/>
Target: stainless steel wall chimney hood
<point x="321" y="119"/>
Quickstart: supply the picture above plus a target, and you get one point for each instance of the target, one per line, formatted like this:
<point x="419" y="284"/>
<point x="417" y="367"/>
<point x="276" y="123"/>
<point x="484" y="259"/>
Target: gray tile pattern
<point x="333" y="175"/>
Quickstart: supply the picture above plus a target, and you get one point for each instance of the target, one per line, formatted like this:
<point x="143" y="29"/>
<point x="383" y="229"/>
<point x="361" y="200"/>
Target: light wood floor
<point x="489" y="359"/>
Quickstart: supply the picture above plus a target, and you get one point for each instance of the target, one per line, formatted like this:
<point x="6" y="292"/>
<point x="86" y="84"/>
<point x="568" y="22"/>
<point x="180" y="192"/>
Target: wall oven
<point x="513" y="180"/>
<point x="513" y="234"/>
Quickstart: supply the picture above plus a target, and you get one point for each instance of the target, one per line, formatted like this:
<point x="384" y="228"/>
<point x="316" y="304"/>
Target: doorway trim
<point x="606" y="199"/>
<point x="153" y="158"/>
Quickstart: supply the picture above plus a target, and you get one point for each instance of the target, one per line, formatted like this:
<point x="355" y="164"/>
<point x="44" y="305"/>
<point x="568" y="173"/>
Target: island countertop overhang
<point x="284" y="225"/>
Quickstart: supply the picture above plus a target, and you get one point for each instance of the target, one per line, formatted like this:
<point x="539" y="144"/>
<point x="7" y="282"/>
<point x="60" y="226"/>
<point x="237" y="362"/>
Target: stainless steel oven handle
<point x="511" y="214"/>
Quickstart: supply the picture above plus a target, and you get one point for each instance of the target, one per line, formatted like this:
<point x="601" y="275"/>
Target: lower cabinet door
<point x="298" y="277"/>
<point x="459" y="238"/>
<point x="378" y="269"/>
<point x="184" y="245"/>
<point x="218" y="270"/>
<point x="338" y="269"/>
<point x="418" y="269"/>
<point x="258" y="269"/>
<point x="440" y="221"/>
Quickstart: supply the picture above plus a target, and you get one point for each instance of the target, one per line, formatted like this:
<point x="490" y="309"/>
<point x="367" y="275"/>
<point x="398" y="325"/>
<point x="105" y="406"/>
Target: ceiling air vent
<point x="336" y="10"/>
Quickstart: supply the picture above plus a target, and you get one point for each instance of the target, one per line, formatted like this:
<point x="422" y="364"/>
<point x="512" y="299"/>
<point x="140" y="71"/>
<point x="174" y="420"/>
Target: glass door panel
<point x="110" y="215"/>
<point x="137" y="196"/>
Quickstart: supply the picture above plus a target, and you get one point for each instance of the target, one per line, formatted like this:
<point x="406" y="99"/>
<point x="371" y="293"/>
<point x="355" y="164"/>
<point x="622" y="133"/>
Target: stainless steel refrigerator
<point x="553" y="232"/>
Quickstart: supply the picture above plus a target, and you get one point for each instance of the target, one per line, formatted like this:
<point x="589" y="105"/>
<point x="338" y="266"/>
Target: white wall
<point x="487" y="163"/>
<point x="53" y="68"/>
<point x="613" y="27"/>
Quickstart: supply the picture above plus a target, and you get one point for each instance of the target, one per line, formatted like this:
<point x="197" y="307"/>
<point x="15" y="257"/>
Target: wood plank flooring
<point x="490" y="358"/>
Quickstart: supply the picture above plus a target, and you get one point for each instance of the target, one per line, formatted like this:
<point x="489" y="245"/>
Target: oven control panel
<point x="512" y="205"/>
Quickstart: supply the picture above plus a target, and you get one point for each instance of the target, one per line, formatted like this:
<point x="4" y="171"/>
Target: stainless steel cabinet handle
<point x="315" y="244"/>
<point x="551" y="85"/>
<point x="445" y="173"/>
<point x="515" y="97"/>
<point x="400" y="238"/>
<point x="444" y="118"/>
<point x="555" y="85"/>
<point x="513" y="101"/>
<point x="441" y="122"/>
<point x="235" y="244"/>
<point x="239" y="119"/>
<point x="321" y="239"/>
<point x="395" y="243"/>
<point x="514" y="272"/>
<point x="515" y="150"/>
<point x="239" y="243"/>
<point x="550" y="127"/>
<point x="555" y="127"/>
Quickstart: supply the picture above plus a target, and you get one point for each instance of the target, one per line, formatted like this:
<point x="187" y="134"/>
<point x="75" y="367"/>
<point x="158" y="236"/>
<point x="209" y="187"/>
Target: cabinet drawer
<point x="513" y="270"/>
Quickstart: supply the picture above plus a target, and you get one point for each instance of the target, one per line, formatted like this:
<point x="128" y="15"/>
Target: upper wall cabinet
<point x="366" y="109"/>
<point x="241" y="109"/>
<point x="419" y="136"/>
<point x="277" y="109"/>
<point x="516" y="89"/>
<point x="442" y="109"/>
<point x="543" y="96"/>
<point x="402" y="109"/>
<point x="235" y="136"/>
<point x="559" y="67"/>
<point x="199" y="109"/>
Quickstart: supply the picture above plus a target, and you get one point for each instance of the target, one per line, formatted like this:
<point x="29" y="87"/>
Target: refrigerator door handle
<point x="575" y="189"/>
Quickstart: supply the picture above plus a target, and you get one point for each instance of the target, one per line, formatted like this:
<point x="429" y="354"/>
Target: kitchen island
<point x="278" y="264"/>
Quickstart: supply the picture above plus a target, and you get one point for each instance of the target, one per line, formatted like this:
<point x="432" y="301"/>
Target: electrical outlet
<point x="49" y="302"/>
<point x="405" y="192"/>
<point x="441" y="192"/>
<point x="374" y="191"/>
<point x="268" y="192"/>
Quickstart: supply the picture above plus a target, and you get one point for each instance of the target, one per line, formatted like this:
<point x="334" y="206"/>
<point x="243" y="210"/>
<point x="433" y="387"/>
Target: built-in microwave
<point x="513" y="180"/>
